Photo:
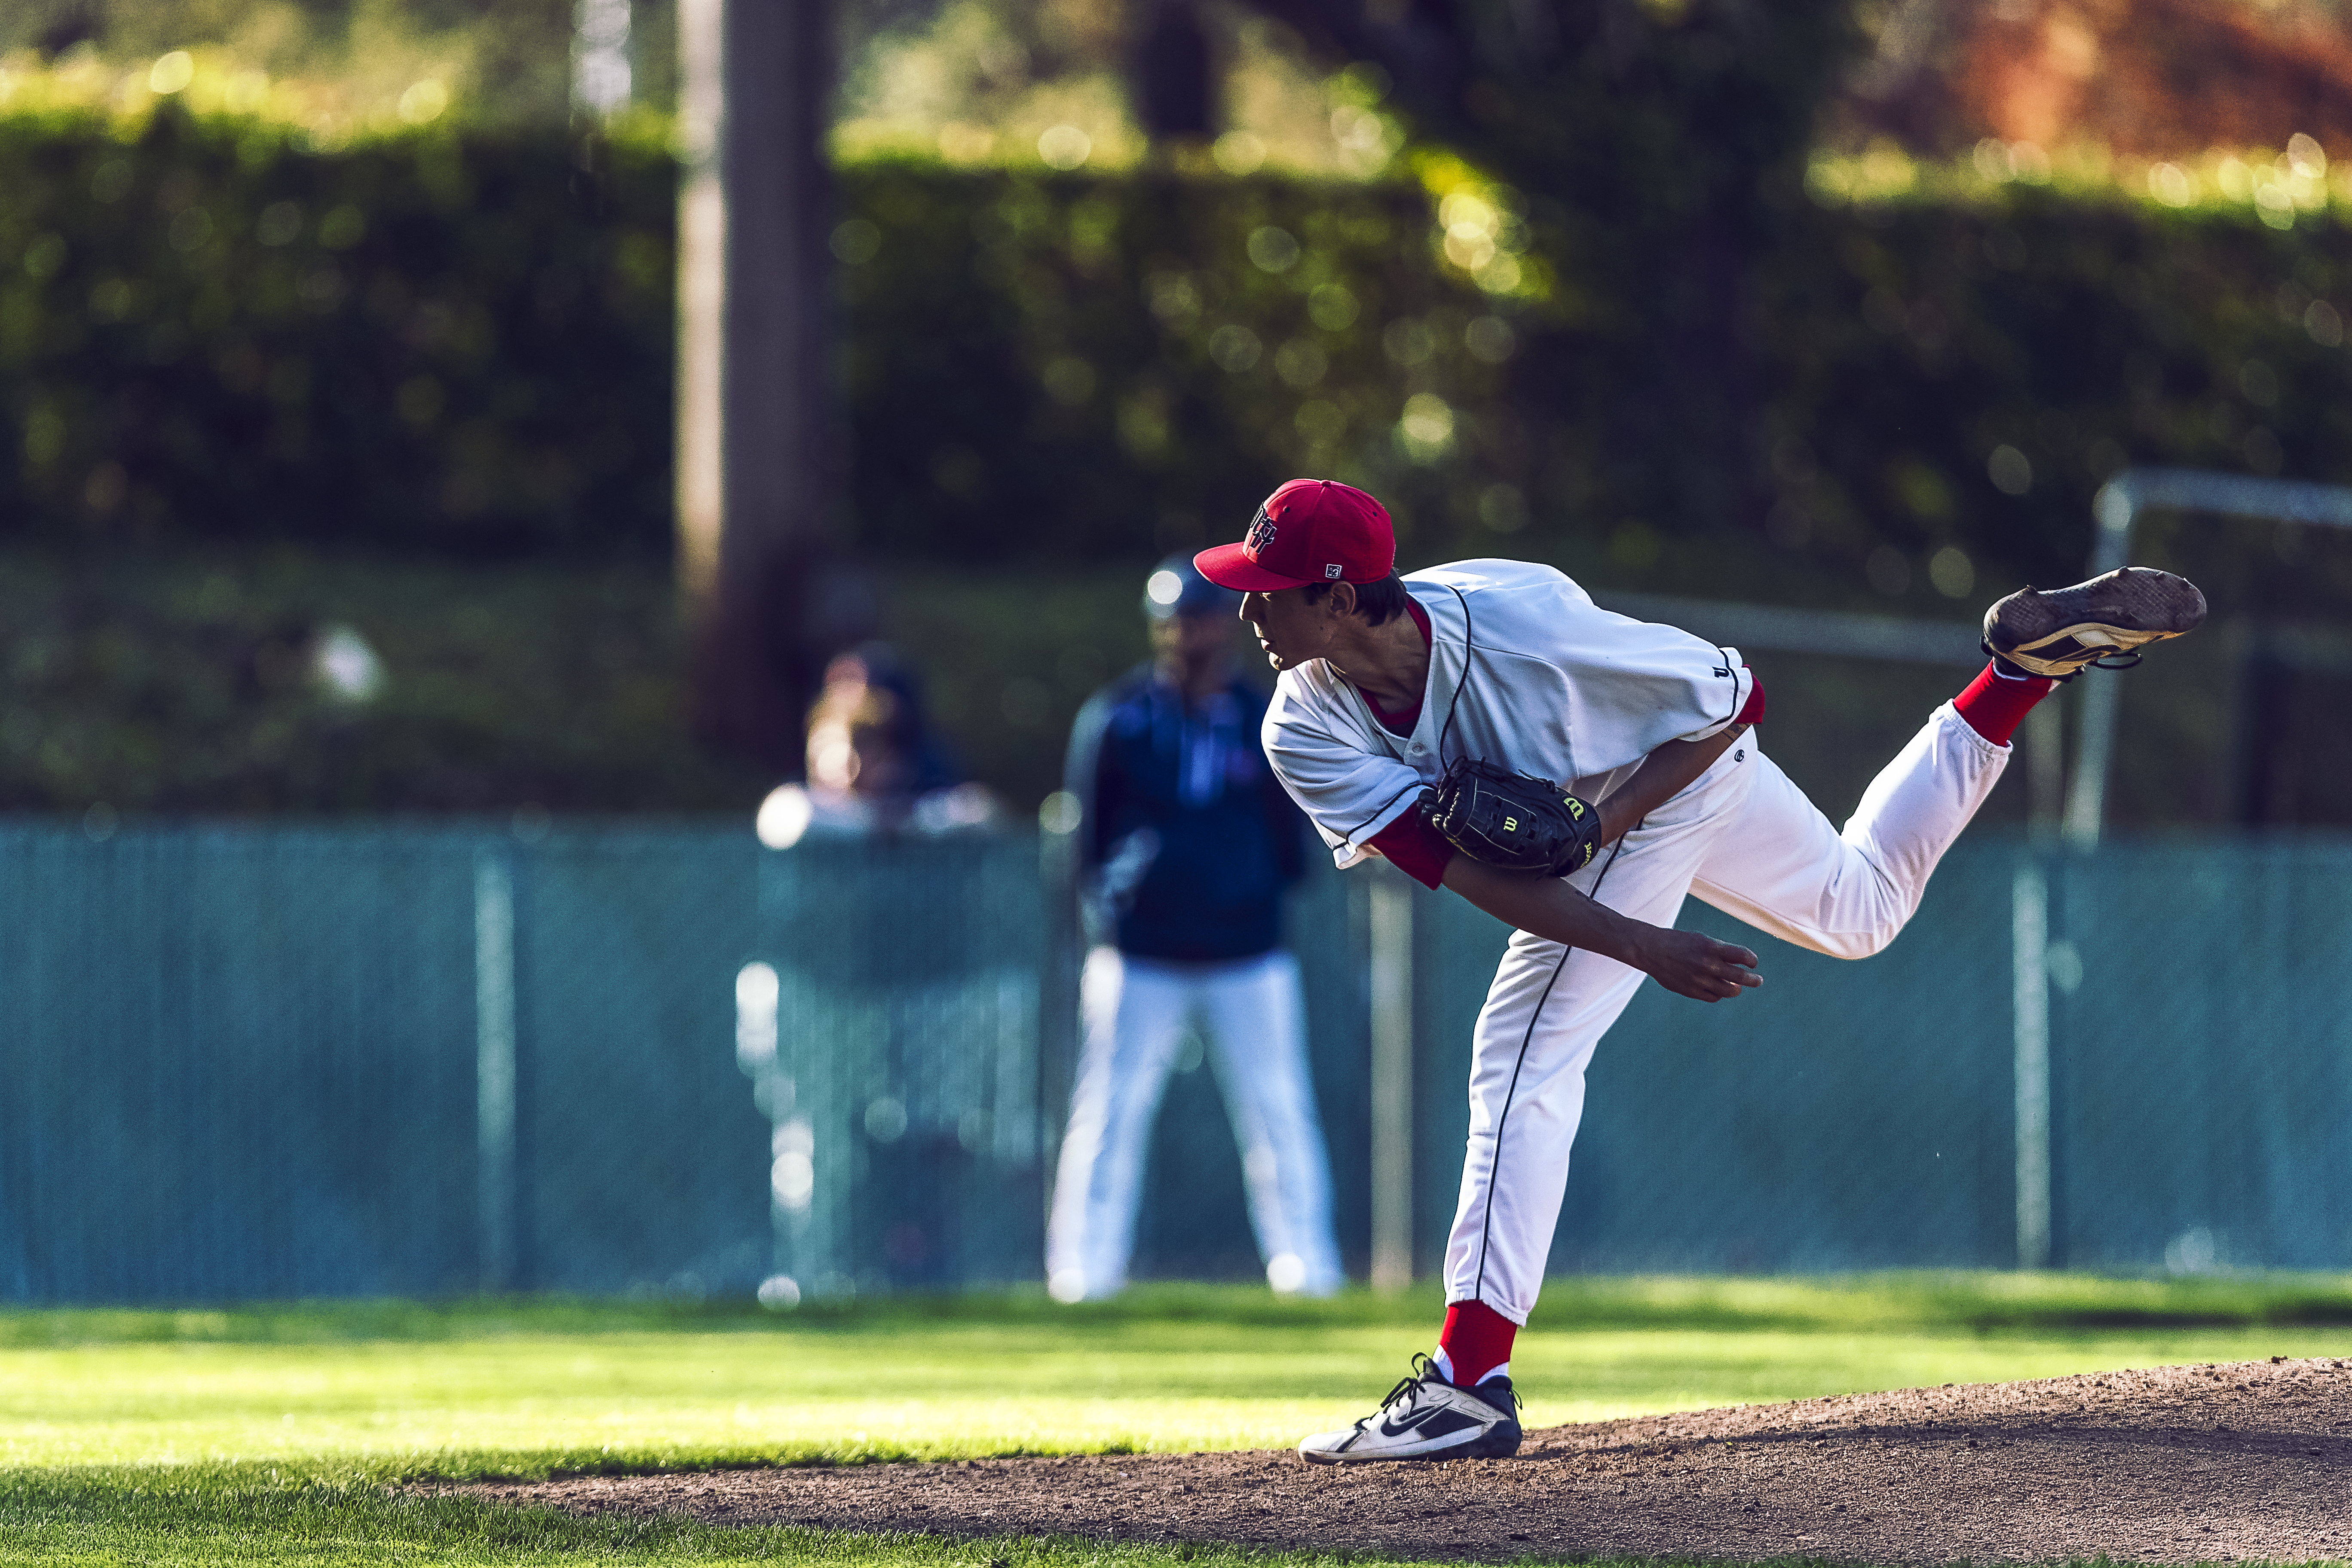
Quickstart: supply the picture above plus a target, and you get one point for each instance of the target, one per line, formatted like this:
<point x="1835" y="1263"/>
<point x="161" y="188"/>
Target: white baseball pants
<point x="1254" y="1017"/>
<point x="1745" y="839"/>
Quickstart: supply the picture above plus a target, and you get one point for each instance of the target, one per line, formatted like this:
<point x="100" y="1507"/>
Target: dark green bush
<point x="1900" y="347"/>
<point x="1033" y="374"/>
<point x="435" y="343"/>
<point x="1073" y="368"/>
<point x="461" y="344"/>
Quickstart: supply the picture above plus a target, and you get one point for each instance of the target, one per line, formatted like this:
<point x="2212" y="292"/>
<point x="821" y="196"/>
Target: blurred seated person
<point x="874" y="764"/>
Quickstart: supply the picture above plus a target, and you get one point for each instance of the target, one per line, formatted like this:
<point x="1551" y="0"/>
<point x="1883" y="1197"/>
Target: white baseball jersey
<point x="1560" y="687"/>
<point x="1555" y="686"/>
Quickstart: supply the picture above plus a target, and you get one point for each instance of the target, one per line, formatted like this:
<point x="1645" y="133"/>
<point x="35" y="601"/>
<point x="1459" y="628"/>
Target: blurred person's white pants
<point x="1252" y="1016"/>
<point x="1745" y="839"/>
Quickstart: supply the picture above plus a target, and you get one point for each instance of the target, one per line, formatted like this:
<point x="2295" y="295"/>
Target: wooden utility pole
<point x="1171" y="74"/>
<point x="758" y="475"/>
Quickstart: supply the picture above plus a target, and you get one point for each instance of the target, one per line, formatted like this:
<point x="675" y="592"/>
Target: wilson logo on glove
<point x="1515" y="821"/>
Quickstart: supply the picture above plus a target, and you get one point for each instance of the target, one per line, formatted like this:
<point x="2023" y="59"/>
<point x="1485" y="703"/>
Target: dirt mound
<point x="2177" y="1465"/>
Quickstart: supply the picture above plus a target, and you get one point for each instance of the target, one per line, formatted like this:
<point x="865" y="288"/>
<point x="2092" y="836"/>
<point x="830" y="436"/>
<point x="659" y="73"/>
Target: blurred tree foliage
<point x="1672" y="125"/>
<point x="1970" y="373"/>
<point x="460" y="344"/>
<point x="433" y="341"/>
<point x="1068" y="368"/>
<point x="507" y="62"/>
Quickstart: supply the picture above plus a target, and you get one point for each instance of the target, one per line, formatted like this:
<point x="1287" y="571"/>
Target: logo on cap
<point x="1330" y="533"/>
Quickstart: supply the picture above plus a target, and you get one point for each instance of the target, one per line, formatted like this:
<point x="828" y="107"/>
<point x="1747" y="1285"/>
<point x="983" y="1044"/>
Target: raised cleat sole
<point x="2117" y="614"/>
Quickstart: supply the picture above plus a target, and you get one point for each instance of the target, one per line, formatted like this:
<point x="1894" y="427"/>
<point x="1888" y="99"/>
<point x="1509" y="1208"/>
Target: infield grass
<point x="267" y="1435"/>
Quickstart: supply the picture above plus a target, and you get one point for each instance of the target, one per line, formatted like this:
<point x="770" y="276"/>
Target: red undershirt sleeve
<point x="1415" y="848"/>
<point x="1753" y="713"/>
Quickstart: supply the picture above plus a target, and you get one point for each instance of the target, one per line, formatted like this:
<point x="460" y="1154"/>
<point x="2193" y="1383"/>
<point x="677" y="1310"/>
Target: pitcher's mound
<point x="2179" y="1465"/>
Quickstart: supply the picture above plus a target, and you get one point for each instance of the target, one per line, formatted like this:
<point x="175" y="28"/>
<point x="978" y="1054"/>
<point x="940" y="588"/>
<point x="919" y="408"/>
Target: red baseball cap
<point x="1310" y="531"/>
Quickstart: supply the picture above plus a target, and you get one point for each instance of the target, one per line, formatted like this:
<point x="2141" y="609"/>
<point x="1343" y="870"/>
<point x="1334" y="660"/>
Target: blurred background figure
<point x="874" y="763"/>
<point x="1186" y="843"/>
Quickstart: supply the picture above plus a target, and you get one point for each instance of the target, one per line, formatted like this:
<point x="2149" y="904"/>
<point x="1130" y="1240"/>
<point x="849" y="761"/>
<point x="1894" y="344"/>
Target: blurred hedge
<point x="208" y="334"/>
<point x="462" y="344"/>
<point x="1904" y="345"/>
<point x="1886" y="354"/>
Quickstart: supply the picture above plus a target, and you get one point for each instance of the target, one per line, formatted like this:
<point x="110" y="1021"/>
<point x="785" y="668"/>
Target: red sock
<point x="1475" y="1345"/>
<point x="1995" y="705"/>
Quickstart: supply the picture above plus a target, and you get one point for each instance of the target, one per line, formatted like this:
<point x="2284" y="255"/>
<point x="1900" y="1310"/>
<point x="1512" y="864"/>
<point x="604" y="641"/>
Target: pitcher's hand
<point x="1690" y="964"/>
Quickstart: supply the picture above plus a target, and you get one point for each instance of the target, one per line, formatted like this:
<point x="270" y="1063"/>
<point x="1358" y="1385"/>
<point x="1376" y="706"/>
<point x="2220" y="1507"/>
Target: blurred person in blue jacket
<point x="1186" y="842"/>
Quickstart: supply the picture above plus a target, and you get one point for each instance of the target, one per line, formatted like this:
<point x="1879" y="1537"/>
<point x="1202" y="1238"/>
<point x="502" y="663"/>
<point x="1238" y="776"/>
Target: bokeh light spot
<point x="1064" y="147"/>
<point x="172" y="72"/>
<point x="2010" y="471"/>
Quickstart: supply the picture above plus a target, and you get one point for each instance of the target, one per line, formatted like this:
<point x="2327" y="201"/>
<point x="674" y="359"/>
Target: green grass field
<point x="267" y="1434"/>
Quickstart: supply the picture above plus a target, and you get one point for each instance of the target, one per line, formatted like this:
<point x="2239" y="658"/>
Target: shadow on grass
<point x="1966" y="1302"/>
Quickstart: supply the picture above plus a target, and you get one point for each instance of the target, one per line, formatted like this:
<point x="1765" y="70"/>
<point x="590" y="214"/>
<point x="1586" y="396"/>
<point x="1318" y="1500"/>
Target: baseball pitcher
<point x="1575" y="773"/>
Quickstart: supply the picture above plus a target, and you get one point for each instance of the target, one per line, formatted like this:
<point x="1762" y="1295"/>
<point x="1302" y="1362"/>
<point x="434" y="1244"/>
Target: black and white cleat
<point x="2099" y="625"/>
<point x="1426" y="1417"/>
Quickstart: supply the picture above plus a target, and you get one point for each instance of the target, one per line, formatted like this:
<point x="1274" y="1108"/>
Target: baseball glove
<point x="1515" y="821"/>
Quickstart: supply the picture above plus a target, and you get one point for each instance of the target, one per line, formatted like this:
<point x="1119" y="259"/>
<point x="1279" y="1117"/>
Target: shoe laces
<point x="1424" y="1370"/>
<point x="2104" y="661"/>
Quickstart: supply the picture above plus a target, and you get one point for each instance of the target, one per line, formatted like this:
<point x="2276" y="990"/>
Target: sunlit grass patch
<point x="270" y="1435"/>
<point x="376" y="1390"/>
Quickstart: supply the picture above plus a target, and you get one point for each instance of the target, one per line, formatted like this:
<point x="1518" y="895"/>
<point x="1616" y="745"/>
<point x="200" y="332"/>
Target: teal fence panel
<point x="1845" y="1115"/>
<point x="254" y="1061"/>
<point x="236" y="1063"/>
<point x="639" y="1148"/>
<point x="2201" y="1055"/>
<point x="1863" y="1114"/>
<point x="907" y="1029"/>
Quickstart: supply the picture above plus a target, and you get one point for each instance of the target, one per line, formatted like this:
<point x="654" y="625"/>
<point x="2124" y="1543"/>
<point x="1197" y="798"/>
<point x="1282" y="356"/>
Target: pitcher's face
<point x="1292" y="631"/>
